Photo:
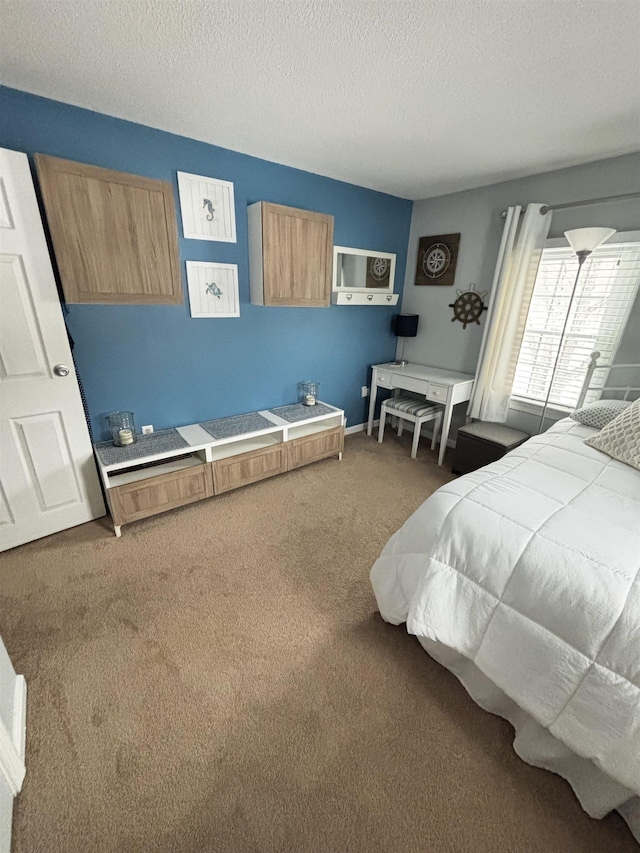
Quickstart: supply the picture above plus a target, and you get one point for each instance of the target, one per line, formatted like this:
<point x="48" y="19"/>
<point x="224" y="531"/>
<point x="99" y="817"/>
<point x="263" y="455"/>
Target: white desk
<point x="436" y="385"/>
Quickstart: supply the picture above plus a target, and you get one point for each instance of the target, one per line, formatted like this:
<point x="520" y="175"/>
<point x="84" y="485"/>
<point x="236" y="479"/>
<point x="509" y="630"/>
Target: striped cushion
<point x="412" y="406"/>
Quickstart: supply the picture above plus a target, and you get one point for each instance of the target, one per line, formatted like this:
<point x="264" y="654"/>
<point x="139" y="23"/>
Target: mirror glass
<point x="359" y="269"/>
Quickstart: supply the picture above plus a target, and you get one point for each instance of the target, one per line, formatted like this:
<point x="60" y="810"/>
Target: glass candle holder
<point x="122" y="427"/>
<point x="309" y="393"/>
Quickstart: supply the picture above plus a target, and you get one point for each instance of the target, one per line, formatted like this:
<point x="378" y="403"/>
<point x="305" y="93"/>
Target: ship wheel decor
<point x="437" y="258"/>
<point x="468" y="306"/>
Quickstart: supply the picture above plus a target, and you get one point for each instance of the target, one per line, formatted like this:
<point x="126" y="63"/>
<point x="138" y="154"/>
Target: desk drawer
<point x="437" y="393"/>
<point x="384" y="379"/>
<point x="418" y="386"/>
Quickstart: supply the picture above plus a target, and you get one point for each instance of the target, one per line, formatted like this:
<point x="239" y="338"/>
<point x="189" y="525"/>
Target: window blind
<point x="597" y="317"/>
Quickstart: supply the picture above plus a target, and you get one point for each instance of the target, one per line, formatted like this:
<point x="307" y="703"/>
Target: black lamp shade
<point x="406" y="326"/>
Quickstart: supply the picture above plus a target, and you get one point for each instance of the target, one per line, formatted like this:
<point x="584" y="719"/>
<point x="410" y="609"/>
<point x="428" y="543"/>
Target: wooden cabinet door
<point x="134" y="501"/>
<point x="114" y="234"/>
<point x="310" y="448"/>
<point x="236" y="471"/>
<point x="297" y="256"/>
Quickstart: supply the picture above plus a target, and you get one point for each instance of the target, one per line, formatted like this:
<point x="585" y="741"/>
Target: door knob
<point x="61" y="370"/>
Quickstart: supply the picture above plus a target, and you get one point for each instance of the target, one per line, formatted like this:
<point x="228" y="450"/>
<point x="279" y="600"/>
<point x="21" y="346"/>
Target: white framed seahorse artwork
<point x="207" y="207"/>
<point x="213" y="289"/>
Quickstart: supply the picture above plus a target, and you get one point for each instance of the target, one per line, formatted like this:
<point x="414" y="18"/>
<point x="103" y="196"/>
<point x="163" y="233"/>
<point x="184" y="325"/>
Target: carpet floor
<point x="219" y="681"/>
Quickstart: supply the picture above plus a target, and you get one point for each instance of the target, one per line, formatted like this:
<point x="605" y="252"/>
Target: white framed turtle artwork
<point x="213" y="289"/>
<point x="207" y="207"/>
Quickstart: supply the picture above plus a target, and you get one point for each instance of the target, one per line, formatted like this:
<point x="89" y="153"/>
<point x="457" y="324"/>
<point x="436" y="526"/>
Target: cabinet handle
<point x="389" y="298"/>
<point x="348" y="295"/>
<point x="370" y="297"/>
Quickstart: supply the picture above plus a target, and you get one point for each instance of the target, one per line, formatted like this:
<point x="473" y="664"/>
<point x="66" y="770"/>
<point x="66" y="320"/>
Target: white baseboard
<point x="358" y="428"/>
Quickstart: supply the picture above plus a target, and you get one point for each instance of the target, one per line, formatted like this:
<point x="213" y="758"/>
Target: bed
<point x="523" y="579"/>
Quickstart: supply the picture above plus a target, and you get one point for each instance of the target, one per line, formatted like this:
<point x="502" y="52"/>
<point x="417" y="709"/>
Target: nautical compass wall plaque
<point x="378" y="271"/>
<point x="437" y="258"/>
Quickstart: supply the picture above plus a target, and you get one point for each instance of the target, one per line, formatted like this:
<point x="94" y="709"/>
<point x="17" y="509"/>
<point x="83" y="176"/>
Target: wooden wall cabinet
<point x="290" y="256"/>
<point x="114" y="234"/>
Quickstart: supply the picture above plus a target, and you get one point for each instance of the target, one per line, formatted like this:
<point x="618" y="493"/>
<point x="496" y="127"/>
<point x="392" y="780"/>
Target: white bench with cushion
<point x="416" y="411"/>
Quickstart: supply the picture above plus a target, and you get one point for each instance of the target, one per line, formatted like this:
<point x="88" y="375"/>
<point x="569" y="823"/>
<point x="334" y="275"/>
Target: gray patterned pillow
<point x="620" y="439"/>
<point x="600" y="413"/>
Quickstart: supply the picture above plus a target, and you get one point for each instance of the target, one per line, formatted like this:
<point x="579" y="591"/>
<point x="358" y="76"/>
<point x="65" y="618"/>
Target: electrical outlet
<point x="147" y="430"/>
<point x="364" y="391"/>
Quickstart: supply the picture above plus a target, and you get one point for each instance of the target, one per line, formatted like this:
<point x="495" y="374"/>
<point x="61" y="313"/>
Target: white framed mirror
<point x="363" y="277"/>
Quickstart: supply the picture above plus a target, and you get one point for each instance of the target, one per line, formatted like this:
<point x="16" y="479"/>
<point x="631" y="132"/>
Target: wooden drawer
<point x="437" y="393"/>
<point x="236" y="471"/>
<point x="310" y="448"/>
<point x="143" y="498"/>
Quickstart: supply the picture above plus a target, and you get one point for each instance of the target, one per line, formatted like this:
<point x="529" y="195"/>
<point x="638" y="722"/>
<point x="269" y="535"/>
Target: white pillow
<point x="600" y="413"/>
<point x="620" y="439"/>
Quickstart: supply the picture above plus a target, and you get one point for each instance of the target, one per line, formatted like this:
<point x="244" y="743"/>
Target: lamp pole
<point x="583" y="241"/>
<point x="582" y="256"/>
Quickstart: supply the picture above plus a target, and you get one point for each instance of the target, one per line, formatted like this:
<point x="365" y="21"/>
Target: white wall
<point x="475" y="214"/>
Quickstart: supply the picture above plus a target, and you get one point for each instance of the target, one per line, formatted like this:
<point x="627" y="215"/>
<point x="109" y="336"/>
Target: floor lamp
<point x="583" y="241"/>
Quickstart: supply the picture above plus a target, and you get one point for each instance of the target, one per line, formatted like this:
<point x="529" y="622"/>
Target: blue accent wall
<point x="170" y="369"/>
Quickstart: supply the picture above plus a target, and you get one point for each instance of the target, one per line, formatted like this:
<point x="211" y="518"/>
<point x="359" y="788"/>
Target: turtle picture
<point x="468" y="306"/>
<point x="213" y="290"/>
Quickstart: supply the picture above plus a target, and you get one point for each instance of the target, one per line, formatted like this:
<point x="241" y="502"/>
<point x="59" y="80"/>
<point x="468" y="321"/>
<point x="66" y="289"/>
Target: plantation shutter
<point x="597" y="317"/>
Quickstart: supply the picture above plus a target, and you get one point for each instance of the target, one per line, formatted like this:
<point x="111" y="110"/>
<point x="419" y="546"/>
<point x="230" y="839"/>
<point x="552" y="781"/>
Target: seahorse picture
<point x="211" y="211"/>
<point x="207" y="207"/>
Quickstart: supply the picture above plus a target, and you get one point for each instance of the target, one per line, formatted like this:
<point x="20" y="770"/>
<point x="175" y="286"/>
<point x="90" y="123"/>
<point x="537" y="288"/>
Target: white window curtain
<point x="523" y="239"/>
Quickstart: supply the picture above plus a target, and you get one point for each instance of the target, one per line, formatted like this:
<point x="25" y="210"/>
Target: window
<point x="597" y="317"/>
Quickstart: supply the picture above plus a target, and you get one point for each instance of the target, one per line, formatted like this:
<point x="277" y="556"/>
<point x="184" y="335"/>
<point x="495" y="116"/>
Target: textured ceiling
<point x="415" y="98"/>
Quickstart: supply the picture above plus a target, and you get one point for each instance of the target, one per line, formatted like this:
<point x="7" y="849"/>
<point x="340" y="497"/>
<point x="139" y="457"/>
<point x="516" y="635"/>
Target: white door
<point x="13" y="707"/>
<point x="48" y="477"/>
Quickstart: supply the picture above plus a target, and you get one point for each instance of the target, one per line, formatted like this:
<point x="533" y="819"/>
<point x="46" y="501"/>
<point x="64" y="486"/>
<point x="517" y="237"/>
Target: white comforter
<point x="530" y="567"/>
